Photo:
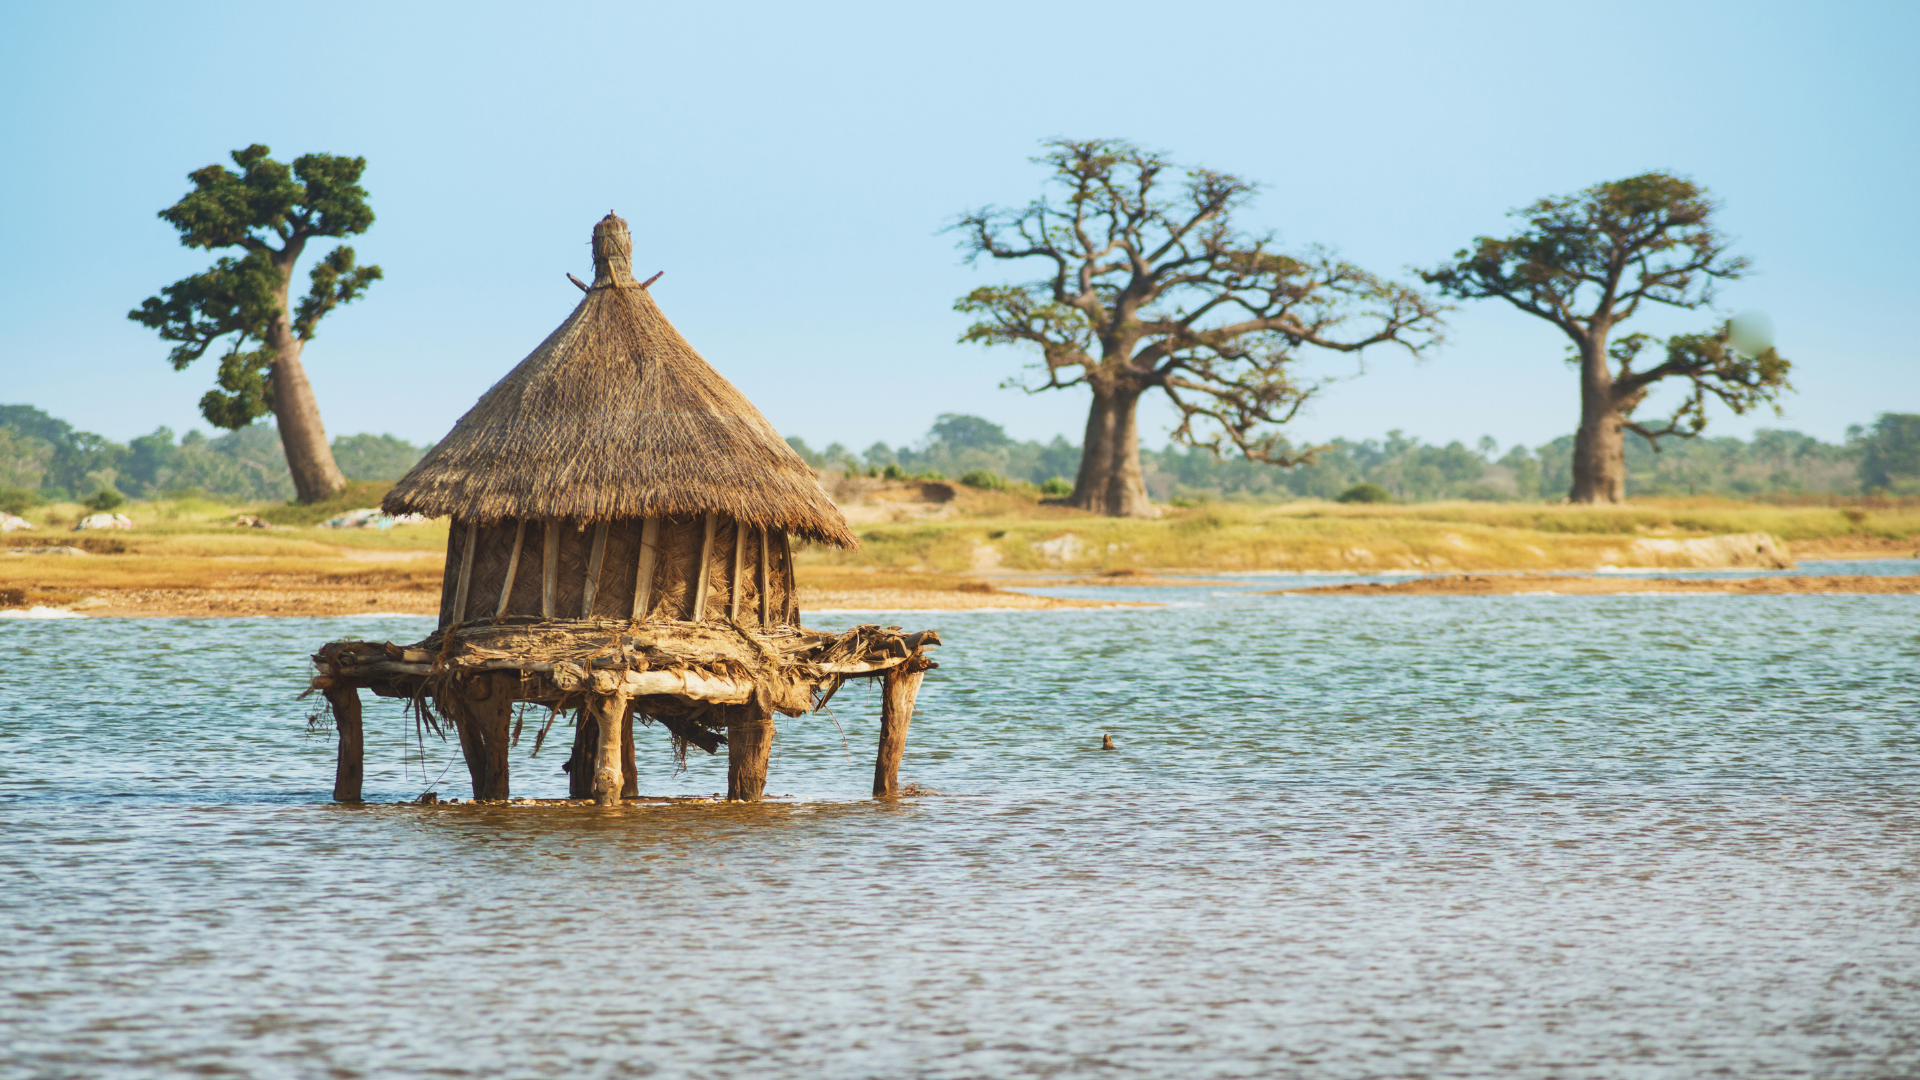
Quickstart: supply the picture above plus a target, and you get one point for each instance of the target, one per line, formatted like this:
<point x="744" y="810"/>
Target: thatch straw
<point x="616" y="416"/>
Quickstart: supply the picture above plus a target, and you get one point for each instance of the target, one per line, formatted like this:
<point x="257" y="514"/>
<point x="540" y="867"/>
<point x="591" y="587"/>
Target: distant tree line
<point x="45" y="459"/>
<point x="1882" y="458"/>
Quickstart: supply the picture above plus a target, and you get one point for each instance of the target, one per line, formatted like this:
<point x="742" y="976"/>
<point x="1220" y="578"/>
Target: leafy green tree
<point x="376" y="457"/>
<point x="270" y="212"/>
<point x="1891" y="453"/>
<point x="1587" y="263"/>
<point x="80" y="462"/>
<point x="1148" y="285"/>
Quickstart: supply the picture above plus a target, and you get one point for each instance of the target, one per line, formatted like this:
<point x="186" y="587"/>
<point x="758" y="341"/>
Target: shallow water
<point x="1630" y="836"/>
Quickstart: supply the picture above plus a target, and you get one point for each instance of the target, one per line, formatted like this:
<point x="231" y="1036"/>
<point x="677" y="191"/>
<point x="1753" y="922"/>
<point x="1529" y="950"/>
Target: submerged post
<point x="350" y="766"/>
<point x="586" y="748"/>
<point x="749" y="744"/>
<point x="900" y="686"/>
<point x="609" y="774"/>
<point x="485" y="728"/>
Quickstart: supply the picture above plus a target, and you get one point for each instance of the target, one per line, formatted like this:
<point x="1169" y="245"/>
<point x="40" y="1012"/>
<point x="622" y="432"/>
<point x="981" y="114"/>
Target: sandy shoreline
<point x="1610" y="585"/>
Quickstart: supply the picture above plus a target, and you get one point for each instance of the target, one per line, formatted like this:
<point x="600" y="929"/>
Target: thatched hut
<point x="622" y="522"/>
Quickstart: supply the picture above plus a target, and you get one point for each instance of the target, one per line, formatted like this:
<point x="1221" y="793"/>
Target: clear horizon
<point x="791" y="172"/>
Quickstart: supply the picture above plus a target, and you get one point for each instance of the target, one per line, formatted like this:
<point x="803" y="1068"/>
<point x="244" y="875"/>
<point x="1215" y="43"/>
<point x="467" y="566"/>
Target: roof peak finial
<point x="612" y="252"/>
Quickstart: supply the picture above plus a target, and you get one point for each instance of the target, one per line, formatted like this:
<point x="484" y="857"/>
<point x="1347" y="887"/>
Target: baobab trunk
<point x="1111" y="481"/>
<point x="302" y="436"/>
<point x="1599" y="447"/>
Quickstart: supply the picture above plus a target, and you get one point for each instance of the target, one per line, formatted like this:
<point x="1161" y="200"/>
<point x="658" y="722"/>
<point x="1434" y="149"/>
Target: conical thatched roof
<point x="616" y="416"/>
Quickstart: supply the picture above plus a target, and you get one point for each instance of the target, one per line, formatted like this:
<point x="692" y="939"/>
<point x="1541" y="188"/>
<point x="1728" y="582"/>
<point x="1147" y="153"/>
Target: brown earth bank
<point x="1521" y="584"/>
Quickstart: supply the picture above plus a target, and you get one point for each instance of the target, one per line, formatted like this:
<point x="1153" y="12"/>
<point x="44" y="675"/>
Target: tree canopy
<point x="1149" y="283"/>
<point x="1590" y="261"/>
<point x="270" y="211"/>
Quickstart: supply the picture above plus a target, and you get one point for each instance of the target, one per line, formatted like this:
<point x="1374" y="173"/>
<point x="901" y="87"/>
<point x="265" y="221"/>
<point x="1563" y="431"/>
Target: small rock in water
<point x="429" y="798"/>
<point x="1106" y="743"/>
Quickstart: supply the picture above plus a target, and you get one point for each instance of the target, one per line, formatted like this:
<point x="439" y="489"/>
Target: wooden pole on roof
<point x="593" y="569"/>
<point x="550" y="570"/>
<point x="349" y="768"/>
<point x="739" y="568"/>
<point x="790" y="610"/>
<point x="513" y="567"/>
<point x="706" y="557"/>
<point x="643" y="581"/>
<point x="763" y="578"/>
<point x="466" y="573"/>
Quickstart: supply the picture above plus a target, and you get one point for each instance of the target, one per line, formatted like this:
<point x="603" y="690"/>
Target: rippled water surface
<point x="1633" y="836"/>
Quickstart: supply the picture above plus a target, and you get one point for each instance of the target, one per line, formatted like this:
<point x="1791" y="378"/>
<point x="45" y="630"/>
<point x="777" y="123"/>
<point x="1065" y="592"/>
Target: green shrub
<point x="984" y="479"/>
<point x="357" y="495"/>
<point x="18" y="500"/>
<point x="893" y="472"/>
<point x="1365" y="493"/>
<point x="1056" y="488"/>
<point x="104" y="500"/>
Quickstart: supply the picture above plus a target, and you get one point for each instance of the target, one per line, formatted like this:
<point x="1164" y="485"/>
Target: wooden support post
<point x="739" y="569"/>
<point x="486" y="727"/>
<point x="609" y="776"/>
<point x="513" y="567"/>
<point x="460" y="589"/>
<point x="900" y="686"/>
<point x="550" y="570"/>
<point x="580" y="763"/>
<point x="350" y="766"/>
<point x="593" y="569"/>
<point x="630" y="786"/>
<point x="790" y="612"/>
<point x="763" y="578"/>
<point x="643" y="580"/>
<point x="749" y="745"/>
<point x="706" y="558"/>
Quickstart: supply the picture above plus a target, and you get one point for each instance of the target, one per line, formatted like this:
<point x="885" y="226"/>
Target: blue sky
<point x="790" y="168"/>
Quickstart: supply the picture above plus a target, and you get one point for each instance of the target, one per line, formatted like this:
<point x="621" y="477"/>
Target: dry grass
<point x="183" y="556"/>
<point x="992" y="531"/>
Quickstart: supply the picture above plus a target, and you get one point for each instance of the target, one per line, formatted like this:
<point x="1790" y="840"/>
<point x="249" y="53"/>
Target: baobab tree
<point x="271" y="212"/>
<point x="1149" y="285"/>
<point x="1587" y="263"/>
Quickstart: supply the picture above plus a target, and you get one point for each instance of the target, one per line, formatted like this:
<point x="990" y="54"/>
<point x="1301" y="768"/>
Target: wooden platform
<point x="709" y="684"/>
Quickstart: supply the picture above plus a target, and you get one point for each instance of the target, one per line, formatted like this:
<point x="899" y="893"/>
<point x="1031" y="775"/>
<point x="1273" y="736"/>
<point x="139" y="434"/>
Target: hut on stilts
<point x="622" y="521"/>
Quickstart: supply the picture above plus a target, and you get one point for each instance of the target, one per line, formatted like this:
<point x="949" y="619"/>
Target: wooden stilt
<point x="609" y="777"/>
<point x="550" y="570"/>
<point x="580" y="763"/>
<point x="513" y="568"/>
<point x="643" y="580"/>
<point x="901" y="685"/>
<point x="461" y="589"/>
<point x="749" y="745"/>
<point x="699" y="613"/>
<point x="739" y="569"/>
<point x="485" y="730"/>
<point x="630" y="787"/>
<point x="594" y="560"/>
<point x="350" y="766"/>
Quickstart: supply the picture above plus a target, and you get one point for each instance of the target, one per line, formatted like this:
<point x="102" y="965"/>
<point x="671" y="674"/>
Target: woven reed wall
<point x="673" y="586"/>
